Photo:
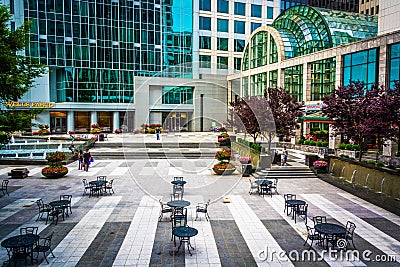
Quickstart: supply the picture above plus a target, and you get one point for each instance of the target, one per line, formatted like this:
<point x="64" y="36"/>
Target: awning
<point x="315" y="117"/>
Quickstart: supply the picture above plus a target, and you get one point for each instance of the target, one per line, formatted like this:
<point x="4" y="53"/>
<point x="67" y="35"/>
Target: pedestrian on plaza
<point x="285" y="155"/>
<point x="87" y="157"/>
<point x="80" y="159"/>
<point x="158" y="133"/>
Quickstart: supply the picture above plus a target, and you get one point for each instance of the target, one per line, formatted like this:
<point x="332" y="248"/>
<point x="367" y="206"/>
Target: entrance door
<point x="60" y="125"/>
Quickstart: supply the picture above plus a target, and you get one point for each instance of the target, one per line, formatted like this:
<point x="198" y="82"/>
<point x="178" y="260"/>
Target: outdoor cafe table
<point x="294" y="204"/>
<point x="99" y="184"/>
<point x="330" y="230"/>
<point x="61" y="204"/>
<point x="178" y="182"/>
<point x="18" y="242"/>
<point x="178" y="203"/>
<point x="184" y="233"/>
<point x="263" y="182"/>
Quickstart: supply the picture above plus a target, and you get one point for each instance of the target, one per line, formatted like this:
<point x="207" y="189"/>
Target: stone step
<point x="145" y="155"/>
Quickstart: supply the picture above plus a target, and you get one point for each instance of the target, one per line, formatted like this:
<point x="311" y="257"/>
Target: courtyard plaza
<point x="123" y="229"/>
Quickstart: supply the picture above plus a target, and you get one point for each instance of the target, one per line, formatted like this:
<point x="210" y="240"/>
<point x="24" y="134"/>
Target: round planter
<point x="54" y="175"/>
<point x="224" y="171"/>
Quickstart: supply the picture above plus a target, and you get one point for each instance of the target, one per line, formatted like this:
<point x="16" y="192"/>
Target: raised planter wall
<point x="245" y="151"/>
<point x="380" y="181"/>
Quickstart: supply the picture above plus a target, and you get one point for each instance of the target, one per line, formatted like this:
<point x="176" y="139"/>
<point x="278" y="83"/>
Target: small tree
<point x="252" y="114"/>
<point x="363" y="113"/>
<point x="285" y="110"/>
<point x="16" y="72"/>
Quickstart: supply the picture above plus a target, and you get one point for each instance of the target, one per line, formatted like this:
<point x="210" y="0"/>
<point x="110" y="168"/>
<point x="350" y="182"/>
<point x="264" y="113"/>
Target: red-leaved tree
<point x="364" y="114"/>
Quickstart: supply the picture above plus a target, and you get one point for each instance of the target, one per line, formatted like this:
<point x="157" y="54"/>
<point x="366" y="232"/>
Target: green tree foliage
<point x="16" y="72"/>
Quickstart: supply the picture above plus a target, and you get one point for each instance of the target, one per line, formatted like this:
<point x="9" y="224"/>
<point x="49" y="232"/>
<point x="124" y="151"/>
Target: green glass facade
<point x="273" y="79"/>
<point x="95" y="48"/>
<point x="394" y="64"/>
<point x="294" y="81"/>
<point x="322" y="78"/>
<point x="361" y="66"/>
<point x="177" y="95"/>
<point x="258" y="51"/>
<point x="258" y="84"/>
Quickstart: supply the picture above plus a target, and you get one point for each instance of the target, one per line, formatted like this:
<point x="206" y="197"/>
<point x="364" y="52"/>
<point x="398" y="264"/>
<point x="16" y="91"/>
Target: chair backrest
<point x="66" y="197"/>
<point x="4" y="183"/>
<point x="310" y="230"/>
<point x="276" y="182"/>
<point x="85" y="183"/>
<point x="319" y="219"/>
<point x="302" y="209"/>
<point x="289" y="196"/>
<point x="175" y="196"/>
<point x="350" y="227"/>
<point x="47" y="241"/>
<point x="178" y="178"/>
<point x="28" y="230"/>
<point x="110" y="183"/>
<point x="101" y="178"/>
<point x="40" y="203"/>
<point x="179" y="217"/>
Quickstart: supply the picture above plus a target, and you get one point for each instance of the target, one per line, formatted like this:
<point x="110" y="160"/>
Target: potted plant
<point x="95" y="128"/>
<point x="320" y="166"/>
<point x="55" y="169"/>
<point x="224" y="168"/>
<point x="117" y="131"/>
<point x="245" y="160"/>
<point x="224" y="154"/>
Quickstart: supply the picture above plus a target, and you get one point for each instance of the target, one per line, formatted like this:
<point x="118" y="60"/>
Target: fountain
<point x="12" y="140"/>
<point x="59" y="147"/>
<point x="31" y="156"/>
<point x="352" y="177"/>
<point x="333" y="166"/>
<point x="342" y="172"/>
<point x="366" y="182"/>
<point x="381" y="190"/>
<point x="44" y="155"/>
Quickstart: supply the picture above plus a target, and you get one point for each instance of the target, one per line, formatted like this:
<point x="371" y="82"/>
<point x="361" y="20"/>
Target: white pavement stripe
<point x="379" y="211"/>
<point x="119" y="171"/>
<point x="206" y="251"/>
<point x="35" y="171"/>
<point x="91" y="171"/>
<point x="15" y="207"/>
<point x="5" y="170"/>
<point x="138" y="242"/>
<point x="376" y="237"/>
<point x="255" y="234"/>
<point x="32" y="222"/>
<point x="278" y="203"/>
<point x="73" y="246"/>
<point x="175" y="171"/>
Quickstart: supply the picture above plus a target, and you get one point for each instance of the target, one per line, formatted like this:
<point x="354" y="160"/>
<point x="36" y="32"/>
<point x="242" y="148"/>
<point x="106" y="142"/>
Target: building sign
<point x="314" y="107"/>
<point x="30" y="104"/>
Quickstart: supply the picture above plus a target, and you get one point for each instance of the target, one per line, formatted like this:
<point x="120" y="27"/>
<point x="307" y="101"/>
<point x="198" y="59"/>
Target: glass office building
<point x="310" y="51"/>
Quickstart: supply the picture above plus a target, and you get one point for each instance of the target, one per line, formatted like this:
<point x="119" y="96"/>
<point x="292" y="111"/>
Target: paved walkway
<point x="123" y="229"/>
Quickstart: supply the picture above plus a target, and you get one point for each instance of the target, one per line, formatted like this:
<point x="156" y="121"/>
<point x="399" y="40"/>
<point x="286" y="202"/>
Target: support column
<point x="116" y="121"/>
<point x="93" y="117"/>
<point x="70" y="121"/>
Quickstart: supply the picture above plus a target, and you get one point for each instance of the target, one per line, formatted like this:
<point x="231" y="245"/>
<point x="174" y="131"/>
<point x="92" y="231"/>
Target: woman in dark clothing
<point x="86" y="158"/>
<point x="80" y="159"/>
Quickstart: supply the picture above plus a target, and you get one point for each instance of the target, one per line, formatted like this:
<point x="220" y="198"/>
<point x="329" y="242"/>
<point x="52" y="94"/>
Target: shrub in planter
<point x="324" y="144"/>
<point x="55" y="169"/>
<point x="355" y="147"/>
<point x="224" y="168"/>
<point x="300" y="142"/>
<point x="307" y="142"/>
<point x="224" y="154"/>
<point x="371" y="162"/>
<point x="319" y="143"/>
<point x="348" y="146"/>
<point x="380" y="164"/>
<point x="312" y="143"/>
<point x="342" y="146"/>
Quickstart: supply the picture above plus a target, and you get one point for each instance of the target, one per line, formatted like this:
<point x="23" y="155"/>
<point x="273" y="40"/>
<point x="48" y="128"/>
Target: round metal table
<point x="184" y="233"/>
<point x="178" y="203"/>
<point x="63" y="204"/>
<point x="331" y="232"/>
<point x="15" y="243"/>
<point x="178" y="182"/>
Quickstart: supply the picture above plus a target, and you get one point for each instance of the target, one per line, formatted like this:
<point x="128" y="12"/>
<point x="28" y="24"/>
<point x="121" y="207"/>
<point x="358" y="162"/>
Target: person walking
<point x="87" y="156"/>
<point x="80" y="159"/>
<point x="285" y="155"/>
<point x="158" y="133"/>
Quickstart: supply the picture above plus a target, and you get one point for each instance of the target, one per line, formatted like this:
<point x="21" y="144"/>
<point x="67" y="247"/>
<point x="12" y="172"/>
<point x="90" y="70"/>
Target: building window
<point x="239" y="45"/>
<point x="377" y="10"/>
<point x="258" y="50"/>
<point x="245" y="86"/>
<point x="322" y="78"/>
<point x="205" y="23"/>
<point x="270" y="12"/>
<point x="240" y="8"/>
<point x="394" y="64"/>
<point x="294" y="81"/>
<point x="205" y="42"/>
<point x="205" y="61"/>
<point x="223" y="6"/>
<point x="177" y="95"/>
<point x="237" y="63"/>
<point x="367" y="12"/>
<point x="361" y="66"/>
<point x="273" y="79"/>
<point x="254" y="26"/>
<point x="222" y="25"/>
<point x="372" y="10"/>
<point x="239" y="27"/>
<point x="257" y="84"/>
<point x="222" y="44"/>
<point x="245" y="61"/>
<point x="222" y="62"/>
<point x="273" y="51"/>
<point x="256" y="11"/>
<point x="205" y="5"/>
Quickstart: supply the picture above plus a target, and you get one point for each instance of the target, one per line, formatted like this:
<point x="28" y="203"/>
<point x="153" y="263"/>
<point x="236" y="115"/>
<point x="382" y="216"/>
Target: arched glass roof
<point x="306" y="29"/>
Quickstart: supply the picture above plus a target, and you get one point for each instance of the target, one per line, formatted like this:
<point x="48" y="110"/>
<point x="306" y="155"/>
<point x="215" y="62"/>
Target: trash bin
<point x="101" y="137"/>
<point x="246" y="170"/>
